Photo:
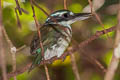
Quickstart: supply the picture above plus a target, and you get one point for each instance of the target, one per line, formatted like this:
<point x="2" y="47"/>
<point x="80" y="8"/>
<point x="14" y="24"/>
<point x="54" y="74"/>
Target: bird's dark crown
<point x="59" y="15"/>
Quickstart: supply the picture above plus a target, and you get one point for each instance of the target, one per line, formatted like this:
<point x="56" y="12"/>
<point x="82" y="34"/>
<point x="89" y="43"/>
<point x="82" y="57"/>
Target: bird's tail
<point x="36" y="61"/>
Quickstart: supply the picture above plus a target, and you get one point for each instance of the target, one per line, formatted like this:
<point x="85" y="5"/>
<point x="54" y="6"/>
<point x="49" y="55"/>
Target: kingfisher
<point x="56" y="35"/>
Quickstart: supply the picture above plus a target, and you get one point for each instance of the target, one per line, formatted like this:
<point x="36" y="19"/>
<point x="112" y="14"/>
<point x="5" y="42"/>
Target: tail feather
<point x="37" y="61"/>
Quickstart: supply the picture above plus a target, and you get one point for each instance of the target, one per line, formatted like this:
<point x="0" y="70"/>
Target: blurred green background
<point x="101" y="49"/>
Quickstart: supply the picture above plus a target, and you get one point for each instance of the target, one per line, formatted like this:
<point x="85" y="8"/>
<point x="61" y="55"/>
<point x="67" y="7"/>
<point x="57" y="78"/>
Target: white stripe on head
<point x="58" y="13"/>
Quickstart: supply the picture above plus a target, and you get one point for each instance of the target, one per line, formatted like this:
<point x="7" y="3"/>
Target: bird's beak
<point x="80" y="16"/>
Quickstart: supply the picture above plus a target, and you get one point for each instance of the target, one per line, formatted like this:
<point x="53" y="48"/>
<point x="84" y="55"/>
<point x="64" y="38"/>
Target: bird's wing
<point x="49" y="38"/>
<point x="49" y="35"/>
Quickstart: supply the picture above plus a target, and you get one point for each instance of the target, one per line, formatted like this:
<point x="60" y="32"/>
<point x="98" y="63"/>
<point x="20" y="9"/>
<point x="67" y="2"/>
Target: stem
<point x="74" y="67"/>
<point x="41" y="45"/>
<point x="2" y="49"/>
<point x="116" y="54"/>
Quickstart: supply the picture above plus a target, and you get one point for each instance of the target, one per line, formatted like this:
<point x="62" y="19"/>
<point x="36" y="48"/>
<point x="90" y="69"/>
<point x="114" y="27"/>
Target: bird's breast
<point x="57" y="49"/>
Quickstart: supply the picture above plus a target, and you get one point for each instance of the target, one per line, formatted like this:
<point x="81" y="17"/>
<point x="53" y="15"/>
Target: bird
<point x="56" y="35"/>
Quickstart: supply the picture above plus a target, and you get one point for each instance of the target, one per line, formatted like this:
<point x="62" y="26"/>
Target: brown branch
<point x="99" y="64"/>
<point x="97" y="17"/>
<point x="12" y="74"/>
<point x="65" y="4"/>
<point x="2" y="49"/>
<point x="38" y="27"/>
<point x="90" y="58"/>
<point x="20" y="10"/>
<point x="116" y="54"/>
<point x="18" y="19"/>
<point x="94" y="61"/>
<point x="13" y="52"/>
<point x="74" y="66"/>
<point x="40" y="8"/>
<point x="23" y="10"/>
<point x="91" y="5"/>
<point x="21" y="48"/>
<point x="97" y="35"/>
<point x="14" y="64"/>
<point x="18" y="7"/>
<point x="41" y="45"/>
<point x="47" y="73"/>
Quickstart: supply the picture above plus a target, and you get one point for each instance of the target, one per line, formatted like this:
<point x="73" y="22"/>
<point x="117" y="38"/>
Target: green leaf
<point x="75" y="7"/>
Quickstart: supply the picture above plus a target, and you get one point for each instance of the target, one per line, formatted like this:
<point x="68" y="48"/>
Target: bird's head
<point x="65" y="18"/>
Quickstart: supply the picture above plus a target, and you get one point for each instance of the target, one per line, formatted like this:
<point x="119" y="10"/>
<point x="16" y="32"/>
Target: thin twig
<point x="14" y="64"/>
<point x="41" y="45"/>
<point x="13" y="52"/>
<point x="99" y="64"/>
<point x="20" y="10"/>
<point x="18" y="7"/>
<point x="65" y="4"/>
<point x="74" y="67"/>
<point x="18" y="19"/>
<point x="90" y="58"/>
<point x="91" y="5"/>
<point x="25" y="11"/>
<point x="2" y="49"/>
<point x="40" y="8"/>
<point x="116" y="54"/>
<point x="47" y="73"/>
<point x="20" y="71"/>
<point x="97" y="17"/>
<point x="94" y="61"/>
<point x="21" y="48"/>
<point x="38" y="27"/>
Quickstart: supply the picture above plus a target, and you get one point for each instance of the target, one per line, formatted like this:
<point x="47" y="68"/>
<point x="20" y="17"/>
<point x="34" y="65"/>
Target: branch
<point x="18" y="19"/>
<point x="74" y="66"/>
<point x="46" y="71"/>
<point x="41" y="45"/>
<point x="40" y="8"/>
<point x="2" y="49"/>
<point x="12" y="50"/>
<point x="65" y="4"/>
<point x="116" y="54"/>
<point x="18" y="7"/>
<point x="92" y="59"/>
<point x="97" y="17"/>
<point x="20" y="10"/>
<point x="20" y="71"/>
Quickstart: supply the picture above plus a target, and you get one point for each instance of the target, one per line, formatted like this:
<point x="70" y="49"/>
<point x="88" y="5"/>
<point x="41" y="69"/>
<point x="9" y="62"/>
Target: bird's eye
<point x="66" y="15"/>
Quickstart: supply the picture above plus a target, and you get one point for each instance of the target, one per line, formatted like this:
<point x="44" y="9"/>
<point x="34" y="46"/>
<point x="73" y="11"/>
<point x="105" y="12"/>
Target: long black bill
<point x="81" y="16"/>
